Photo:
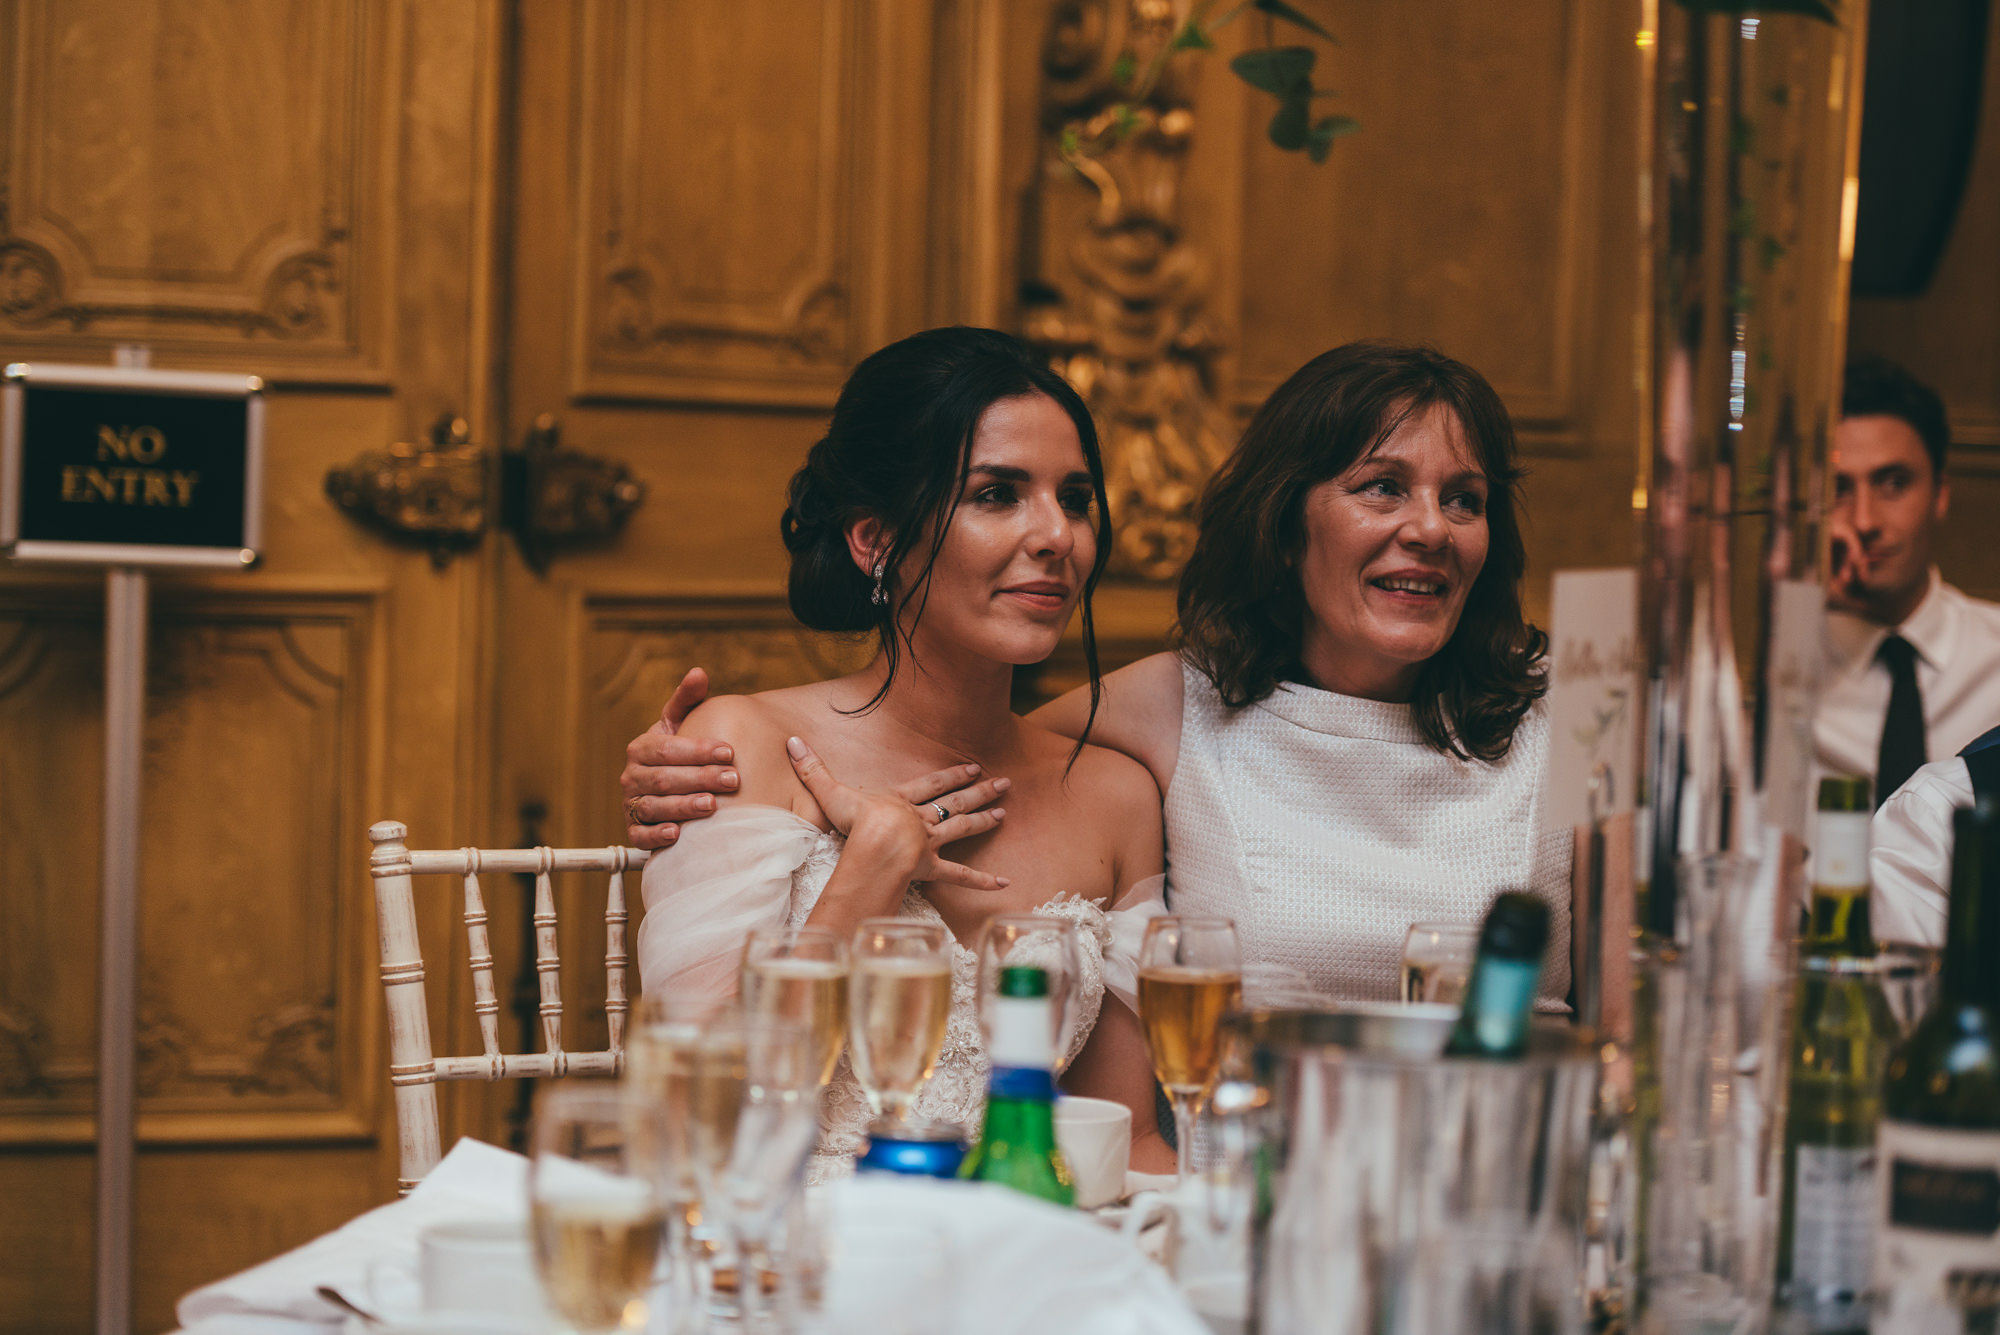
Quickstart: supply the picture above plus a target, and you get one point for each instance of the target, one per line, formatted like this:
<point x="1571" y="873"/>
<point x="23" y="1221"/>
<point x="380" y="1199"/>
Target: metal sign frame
<point x="20" y="377"/>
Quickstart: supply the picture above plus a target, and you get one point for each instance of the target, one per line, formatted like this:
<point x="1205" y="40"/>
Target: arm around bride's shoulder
<point x="757" y="731"/>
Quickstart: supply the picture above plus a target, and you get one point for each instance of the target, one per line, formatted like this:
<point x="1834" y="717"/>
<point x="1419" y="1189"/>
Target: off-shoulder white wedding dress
<point x="755" y="866"/>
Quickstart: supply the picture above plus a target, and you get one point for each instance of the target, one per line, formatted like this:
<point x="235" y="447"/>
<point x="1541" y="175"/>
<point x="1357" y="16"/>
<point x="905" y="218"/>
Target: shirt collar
<point x="1931" y="628"/>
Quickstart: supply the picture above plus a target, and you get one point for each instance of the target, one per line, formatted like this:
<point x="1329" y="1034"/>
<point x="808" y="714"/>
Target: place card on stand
<point x="1593" y="697"/>
<point x="1594" y="705"/>
<point x="1791" y="686"/>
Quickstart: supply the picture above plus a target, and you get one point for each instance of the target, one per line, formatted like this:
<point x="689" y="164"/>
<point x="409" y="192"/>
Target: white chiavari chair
<point x="413" y="1071"/>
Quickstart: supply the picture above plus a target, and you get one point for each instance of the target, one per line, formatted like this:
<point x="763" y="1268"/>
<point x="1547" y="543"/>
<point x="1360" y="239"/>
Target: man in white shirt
<point x="1910" y="858"/>
<point x="1913" y="665"/>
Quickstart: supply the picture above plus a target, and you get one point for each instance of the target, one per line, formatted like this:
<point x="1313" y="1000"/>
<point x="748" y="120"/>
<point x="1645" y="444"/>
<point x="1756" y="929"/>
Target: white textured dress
<point x="1325" y="826"/>
<point x="754" y="866"/>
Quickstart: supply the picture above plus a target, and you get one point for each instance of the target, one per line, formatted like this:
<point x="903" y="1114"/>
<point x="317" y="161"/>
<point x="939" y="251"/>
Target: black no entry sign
<point x="131" y="467"/>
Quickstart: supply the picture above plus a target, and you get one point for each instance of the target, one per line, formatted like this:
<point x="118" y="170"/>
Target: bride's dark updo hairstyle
<point x="897" y="450"/>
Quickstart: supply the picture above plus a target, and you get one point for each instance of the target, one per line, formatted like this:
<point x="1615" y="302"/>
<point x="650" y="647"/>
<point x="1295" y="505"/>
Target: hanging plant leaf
<point x="1292" y="126"/>
<point x="1276" y="70"/>
<point x="1319" y="143"/>
<point x="1826" y="11"/>
<point x="1279" y="9"/>
<point x="1191" y="37"/>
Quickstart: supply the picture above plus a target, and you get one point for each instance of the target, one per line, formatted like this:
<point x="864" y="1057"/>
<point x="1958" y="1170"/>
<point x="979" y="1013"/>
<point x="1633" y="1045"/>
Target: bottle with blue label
<point x="1500" y="994"/>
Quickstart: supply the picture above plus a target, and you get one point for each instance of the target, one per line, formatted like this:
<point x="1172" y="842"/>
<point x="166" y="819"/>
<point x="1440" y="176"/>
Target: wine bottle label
<point x="1841" y="860"/>
<point x="1833" y="1228"/>
<point x="1938" y="1249"/>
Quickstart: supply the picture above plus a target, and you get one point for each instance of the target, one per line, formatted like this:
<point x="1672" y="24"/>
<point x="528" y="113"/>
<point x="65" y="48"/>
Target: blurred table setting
<point x="898" y="1255"/>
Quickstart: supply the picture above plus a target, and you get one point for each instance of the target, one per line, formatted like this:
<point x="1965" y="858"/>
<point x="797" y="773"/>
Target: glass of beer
<point x="1049" y="944"/>
<point x="1190" y="975"/>
<point x="800" y="974"/>
<point x="899" y="1004"/>
<point x="596" y="1216"/>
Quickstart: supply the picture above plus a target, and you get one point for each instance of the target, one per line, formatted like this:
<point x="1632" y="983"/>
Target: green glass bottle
<point x="1937" y="1154"/>
<point x="1841" y="1035"/>
<point x="1017" y="1146"/>
<point x="1500" y="992"/>
<point x="1839" y="922"/>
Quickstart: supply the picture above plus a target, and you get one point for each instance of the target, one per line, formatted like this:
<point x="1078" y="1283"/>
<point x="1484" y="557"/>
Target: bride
<point x="956" y="510"/>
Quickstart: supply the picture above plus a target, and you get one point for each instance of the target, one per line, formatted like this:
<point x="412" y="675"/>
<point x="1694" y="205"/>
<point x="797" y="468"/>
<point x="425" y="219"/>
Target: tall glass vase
<point x="1747" y="205"/>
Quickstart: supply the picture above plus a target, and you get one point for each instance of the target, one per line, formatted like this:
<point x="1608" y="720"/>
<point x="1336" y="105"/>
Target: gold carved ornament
<point x="438" y="493"/>
<point x="434" y="493"/>
<point x="1131" y="332"/>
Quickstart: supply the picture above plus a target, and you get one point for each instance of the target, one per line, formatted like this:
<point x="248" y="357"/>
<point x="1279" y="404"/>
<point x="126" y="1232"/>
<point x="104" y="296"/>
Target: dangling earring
<point x="880" y="597"/>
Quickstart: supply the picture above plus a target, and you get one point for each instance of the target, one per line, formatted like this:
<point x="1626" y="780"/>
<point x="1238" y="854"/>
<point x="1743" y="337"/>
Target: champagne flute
<point x="597" y="1220"/>
<point x="900" y="1003"/>
<point x="1190" y="975"/>
<point x="754" y="1104"/>
<point x="659" y="1073"/>
<point x="1049" y="944"/>
<point x="1437" y="959"/>
<point x="800" y="973"/>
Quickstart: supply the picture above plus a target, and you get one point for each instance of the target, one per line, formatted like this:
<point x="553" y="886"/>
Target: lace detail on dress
<point x="755" y="867"/>
<point x="956" y="1091"/>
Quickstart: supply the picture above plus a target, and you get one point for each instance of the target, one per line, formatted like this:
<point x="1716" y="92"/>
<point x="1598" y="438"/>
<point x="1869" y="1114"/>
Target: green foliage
<point x="1284" y="72"/>
<point x="1279" y="9"/>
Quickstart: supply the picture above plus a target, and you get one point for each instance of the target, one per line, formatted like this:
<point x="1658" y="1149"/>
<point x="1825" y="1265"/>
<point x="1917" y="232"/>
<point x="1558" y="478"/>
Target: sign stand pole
<point x="76" y="441"/>
<point x="124" y="752"/>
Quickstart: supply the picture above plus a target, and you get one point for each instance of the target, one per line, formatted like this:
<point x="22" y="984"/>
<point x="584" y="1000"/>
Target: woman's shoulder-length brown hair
<point x="1241" y="611"/>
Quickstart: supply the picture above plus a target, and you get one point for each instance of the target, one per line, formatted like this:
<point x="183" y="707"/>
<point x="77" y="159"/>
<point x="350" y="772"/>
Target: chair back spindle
<point x="413" y="1070"/>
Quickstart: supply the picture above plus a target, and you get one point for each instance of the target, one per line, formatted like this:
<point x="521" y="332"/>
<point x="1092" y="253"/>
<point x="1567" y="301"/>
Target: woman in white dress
<point x="955" y="509"/>
<point x="1349" y="733"/>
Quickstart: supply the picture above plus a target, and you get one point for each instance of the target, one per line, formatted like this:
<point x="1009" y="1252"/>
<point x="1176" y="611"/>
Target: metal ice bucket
<point x="1418" y="1194"/>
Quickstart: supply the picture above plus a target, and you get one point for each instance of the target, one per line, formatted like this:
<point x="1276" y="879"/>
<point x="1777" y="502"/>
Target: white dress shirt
<point x="1957" y="639"/>
<point x="1910" y="862"/>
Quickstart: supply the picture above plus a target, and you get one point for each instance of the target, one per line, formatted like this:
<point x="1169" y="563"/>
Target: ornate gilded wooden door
<point x="672" y="227"/>
<point x="303" y="190"/>
<point x="721" y="206"/>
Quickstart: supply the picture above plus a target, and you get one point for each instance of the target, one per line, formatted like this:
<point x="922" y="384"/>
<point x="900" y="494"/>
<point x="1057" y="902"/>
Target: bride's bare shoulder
<point x="756" y="727"/>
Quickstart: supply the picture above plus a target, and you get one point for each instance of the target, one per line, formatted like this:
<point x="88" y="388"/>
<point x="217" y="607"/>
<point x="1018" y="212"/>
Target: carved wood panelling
<point x="192" y="175"/>
<point x="634" y="652"/>
<point x="254" y="1016"/>
<point x="720" y="156"/>
<point x="1462" y="213"/>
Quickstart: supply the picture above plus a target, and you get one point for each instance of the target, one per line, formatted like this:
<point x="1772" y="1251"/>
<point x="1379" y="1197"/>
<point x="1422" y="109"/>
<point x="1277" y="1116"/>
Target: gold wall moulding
<point x="434" y="493"/>
<point x="295" y="298"/>
<point x="1130" y="332"/>
<point x="814" y="330"/>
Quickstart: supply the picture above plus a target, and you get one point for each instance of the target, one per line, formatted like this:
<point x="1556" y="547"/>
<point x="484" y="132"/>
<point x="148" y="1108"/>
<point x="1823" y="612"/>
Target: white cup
<point x="1206" y="1248"/>
<point x="479" y="1267"/>
<point x="1095" y="1137"/>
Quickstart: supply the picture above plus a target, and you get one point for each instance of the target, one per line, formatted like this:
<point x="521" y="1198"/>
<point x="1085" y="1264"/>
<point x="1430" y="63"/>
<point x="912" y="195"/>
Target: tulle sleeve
<point x="727" y="876"/>
<point x="1140" y="904"/>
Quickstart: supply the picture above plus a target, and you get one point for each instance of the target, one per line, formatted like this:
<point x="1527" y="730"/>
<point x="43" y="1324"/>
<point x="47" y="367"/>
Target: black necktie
<point x="1902" y="749"/>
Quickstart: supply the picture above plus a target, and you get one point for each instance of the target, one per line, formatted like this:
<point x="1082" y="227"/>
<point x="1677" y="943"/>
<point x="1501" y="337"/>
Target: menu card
<point x="1594" y="699"/>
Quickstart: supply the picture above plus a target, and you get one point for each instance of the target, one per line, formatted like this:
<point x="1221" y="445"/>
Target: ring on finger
<point x="943" y="815"/>
<point x="632" y="811"/>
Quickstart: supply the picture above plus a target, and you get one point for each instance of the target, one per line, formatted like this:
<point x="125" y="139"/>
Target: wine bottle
<point x="1841" y="1036"/>
<point x="1937" y="1154"/>
<point x="1017" y="1146"/>
<point x="1500" y="993"/>
<point x="1839" y="923"/>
